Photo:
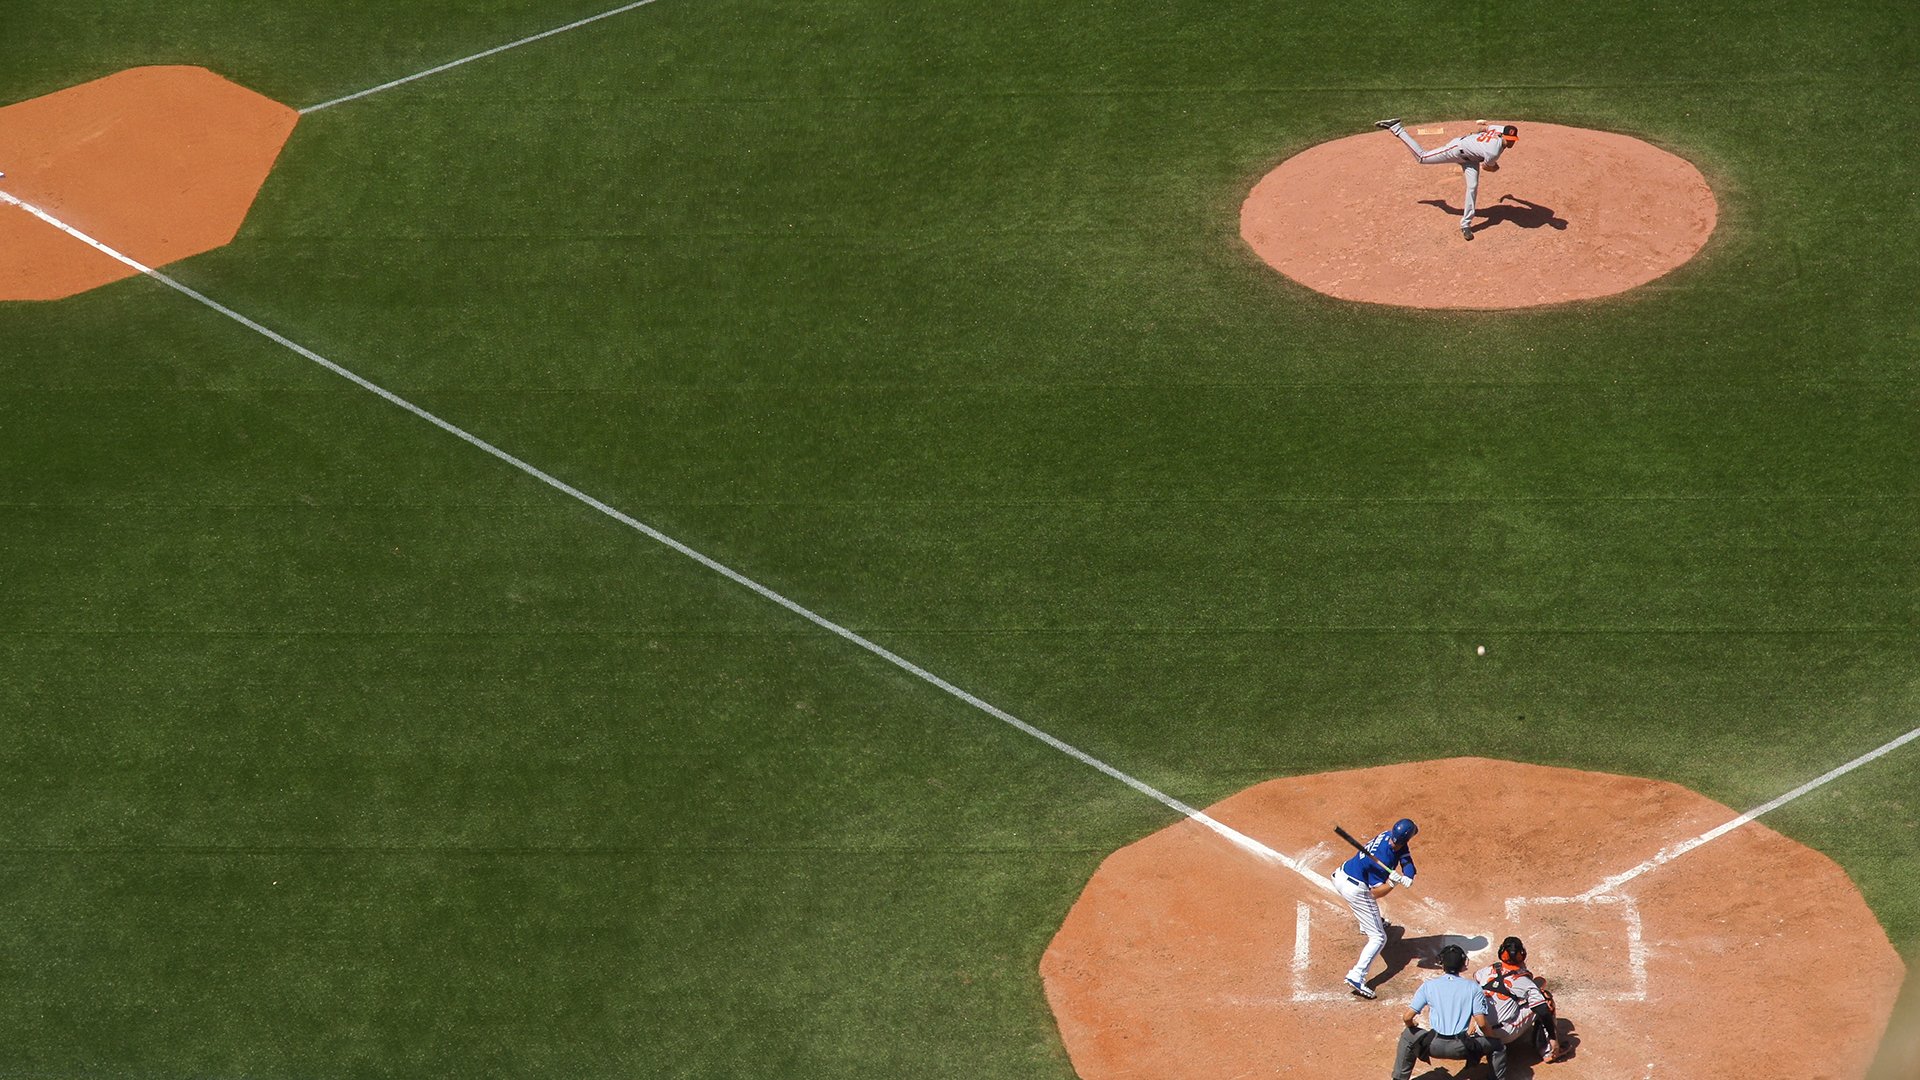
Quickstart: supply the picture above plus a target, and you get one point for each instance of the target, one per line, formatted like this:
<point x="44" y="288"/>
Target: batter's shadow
<point x="1522" y="212"/>
<point x="1422" y="952"/>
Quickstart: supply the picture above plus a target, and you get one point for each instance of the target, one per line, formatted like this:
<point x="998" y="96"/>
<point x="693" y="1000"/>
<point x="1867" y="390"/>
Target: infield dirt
<point x="159" y="163"/>
<point x="1751" y="956"/>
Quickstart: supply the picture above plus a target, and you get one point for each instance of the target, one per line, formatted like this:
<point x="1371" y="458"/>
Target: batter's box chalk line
<point x="1303" y="955"/>
<point x="1629" y="914"/>
<point x="1628" y="911"/>
<point x="1303" y="988"/>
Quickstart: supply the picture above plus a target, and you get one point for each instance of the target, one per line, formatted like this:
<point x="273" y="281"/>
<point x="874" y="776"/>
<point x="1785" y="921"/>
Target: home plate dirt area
<point x="1750" y="956"/>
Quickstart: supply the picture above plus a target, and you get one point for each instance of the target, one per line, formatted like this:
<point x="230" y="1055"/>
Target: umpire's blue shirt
<point x="1455" y="1001"/>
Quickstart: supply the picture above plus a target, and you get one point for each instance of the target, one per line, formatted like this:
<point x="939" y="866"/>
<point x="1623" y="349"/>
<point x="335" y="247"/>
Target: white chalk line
<point x="1636" y="940"/>
<point x="1669" y="854"/>
<point x="1234" y="836"/>
<point x="451" y="64"/>
<point x="1600" y="894"/>
<point x="1303" y="957"/>
<point x="1605" y="893"/>
<point x="1302" y="922"/>
<point x="1303" y="991"/>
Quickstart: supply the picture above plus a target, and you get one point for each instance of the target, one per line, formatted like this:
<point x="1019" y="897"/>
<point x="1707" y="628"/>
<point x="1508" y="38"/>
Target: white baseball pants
<point x="1366" y="911"/>
<point x="1449" y="155"/>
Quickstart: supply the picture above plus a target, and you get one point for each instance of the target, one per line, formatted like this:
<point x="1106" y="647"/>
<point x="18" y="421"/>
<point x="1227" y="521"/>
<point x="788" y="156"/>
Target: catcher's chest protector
<point x="1498" y="983"/>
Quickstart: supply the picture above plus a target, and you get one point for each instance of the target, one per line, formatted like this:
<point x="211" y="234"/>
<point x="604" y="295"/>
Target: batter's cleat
<point x="1361" y="989"/>
<point x="1387" y="125"/>
<point x="1466" y="232"/>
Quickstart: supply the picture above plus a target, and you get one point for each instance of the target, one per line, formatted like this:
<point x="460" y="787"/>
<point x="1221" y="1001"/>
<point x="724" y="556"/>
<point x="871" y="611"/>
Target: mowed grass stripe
<point x="1025" y="207"/>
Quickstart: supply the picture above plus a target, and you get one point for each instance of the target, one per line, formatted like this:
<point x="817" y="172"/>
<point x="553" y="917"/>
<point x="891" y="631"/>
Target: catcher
<point x="1519" y="1008"/>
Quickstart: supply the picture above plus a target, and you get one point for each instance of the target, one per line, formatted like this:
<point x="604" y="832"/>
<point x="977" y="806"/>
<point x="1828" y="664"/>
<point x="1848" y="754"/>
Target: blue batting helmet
<point x="1404" y="830"/>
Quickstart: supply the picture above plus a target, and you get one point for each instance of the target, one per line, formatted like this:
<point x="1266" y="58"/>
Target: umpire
<point x="1457" y="1019"/>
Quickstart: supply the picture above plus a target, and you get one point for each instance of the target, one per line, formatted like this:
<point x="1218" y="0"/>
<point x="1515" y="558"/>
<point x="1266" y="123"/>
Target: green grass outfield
<point x="333" y="747"/>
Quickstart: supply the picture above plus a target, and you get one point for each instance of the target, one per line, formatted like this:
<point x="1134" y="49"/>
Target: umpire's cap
<point x="1453" y="959"/>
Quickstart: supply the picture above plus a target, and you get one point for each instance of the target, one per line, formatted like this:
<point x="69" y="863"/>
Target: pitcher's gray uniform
<point x="1472" y="152"/>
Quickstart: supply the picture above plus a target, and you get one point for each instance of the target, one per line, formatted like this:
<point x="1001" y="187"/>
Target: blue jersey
<point x="1361" y="869"/>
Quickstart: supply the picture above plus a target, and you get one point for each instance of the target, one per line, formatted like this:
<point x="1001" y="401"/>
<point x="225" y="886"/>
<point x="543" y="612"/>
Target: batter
<point x="1473" y="151"/>
<point x="1362" y="880"/>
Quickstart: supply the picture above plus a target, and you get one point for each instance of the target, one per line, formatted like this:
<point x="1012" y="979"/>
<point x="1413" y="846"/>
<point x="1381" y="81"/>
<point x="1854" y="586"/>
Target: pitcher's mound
<point x="1570" y="215"/>
<point x="1750" y="956"/>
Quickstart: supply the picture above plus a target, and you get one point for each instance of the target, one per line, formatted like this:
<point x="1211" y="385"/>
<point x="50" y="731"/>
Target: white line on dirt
<point x="1302" y="964"/>
<point x="1302" y="951"/>
<point x="1303" y="958"/>
<point x="1677" y="850"/>
<point x="476" y="56"/>
<point x="1633" y="929"/>
<point x="1234" y="836"/>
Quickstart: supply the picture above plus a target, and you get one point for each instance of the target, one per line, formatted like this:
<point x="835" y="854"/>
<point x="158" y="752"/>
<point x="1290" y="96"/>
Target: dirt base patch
<point x="1571" y="214"/>
<point x="1751" y="956"/>
<point x="158" y="163"/>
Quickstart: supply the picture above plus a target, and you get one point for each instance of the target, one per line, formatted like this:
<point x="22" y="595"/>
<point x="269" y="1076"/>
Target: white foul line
<point x="1682" y="848"/>
<point x="476" y="56"/>
<point x="1236" y="837"/>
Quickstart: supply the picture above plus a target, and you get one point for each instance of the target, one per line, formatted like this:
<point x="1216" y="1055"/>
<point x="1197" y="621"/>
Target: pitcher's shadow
<point x="1524" y="213"/>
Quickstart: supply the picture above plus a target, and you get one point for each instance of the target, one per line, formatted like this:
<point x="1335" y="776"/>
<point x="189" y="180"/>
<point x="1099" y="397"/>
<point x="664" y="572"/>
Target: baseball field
<point x="336" y="745"/>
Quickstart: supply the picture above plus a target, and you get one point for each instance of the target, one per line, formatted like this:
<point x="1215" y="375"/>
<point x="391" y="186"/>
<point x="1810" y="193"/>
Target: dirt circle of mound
<point x="158" y="163"/>
<point x="1570" y="215"/>
<point x="1749" y="956"/>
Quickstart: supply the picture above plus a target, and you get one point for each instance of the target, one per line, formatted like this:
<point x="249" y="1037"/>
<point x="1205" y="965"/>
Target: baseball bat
<point x="1392" y="874"/>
